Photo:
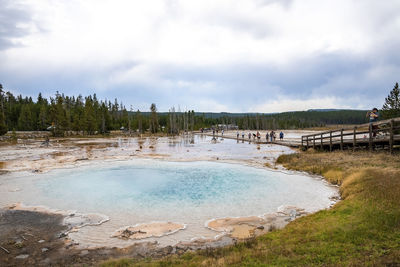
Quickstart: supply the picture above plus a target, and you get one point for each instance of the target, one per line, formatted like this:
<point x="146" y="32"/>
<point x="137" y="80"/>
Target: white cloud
<point x="94" y="32"/>
<point x="127" y="43"/>
<point x="286" y="104"/>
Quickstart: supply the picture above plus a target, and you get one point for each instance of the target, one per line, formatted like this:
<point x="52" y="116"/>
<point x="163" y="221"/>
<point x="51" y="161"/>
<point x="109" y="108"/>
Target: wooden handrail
<point x="367" y="128"/>
<point x="349" y="133"/>
<point x="358" y="126"/>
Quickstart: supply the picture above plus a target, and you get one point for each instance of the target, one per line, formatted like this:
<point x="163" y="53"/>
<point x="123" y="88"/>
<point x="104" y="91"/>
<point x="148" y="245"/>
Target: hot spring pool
<point x="143" y="191"/>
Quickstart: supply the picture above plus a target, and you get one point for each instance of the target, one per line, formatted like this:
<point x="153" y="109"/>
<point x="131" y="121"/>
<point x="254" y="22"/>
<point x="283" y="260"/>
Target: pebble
<point x="41" y="241"/>
<point x="22" y="256"/>
<point x="44" y="249"/>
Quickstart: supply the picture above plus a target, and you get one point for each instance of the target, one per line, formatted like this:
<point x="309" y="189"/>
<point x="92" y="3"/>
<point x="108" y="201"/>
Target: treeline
<point x="88" y="115"/>
<point x="63" y="113"/>
<point x="291" y="120"/>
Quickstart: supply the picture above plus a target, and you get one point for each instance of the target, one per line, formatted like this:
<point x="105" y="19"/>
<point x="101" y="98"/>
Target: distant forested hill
<point x="288" y="120"/>
<point x="284" y="120"/>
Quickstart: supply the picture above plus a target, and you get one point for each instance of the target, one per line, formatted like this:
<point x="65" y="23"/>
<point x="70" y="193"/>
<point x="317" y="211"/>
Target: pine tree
<point x="78" y="115"/>
<point x="61" y="122"/>
<point x="90" y="118"/>
<point x="391" y="107"/>
<point x="25" y="119"/>
<point x="42" y="118"/>
<point x="105" y="119"/>
<point x="125" y="119"/>
<point x="3" y="126"/>
<point x="139" y="121"/>
<point x="154" y="119"/>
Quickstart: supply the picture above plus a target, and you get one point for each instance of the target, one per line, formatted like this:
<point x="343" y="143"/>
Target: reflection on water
<point x="186" y="140"/>
<point x="182" y="141"/>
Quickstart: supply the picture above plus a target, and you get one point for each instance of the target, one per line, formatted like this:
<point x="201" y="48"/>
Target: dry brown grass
<point x="337" y="165"/>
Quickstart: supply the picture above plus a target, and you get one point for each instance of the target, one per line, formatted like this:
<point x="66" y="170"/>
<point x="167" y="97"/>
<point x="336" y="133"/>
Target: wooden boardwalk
<point x="378" y="135"/>
<point x="289" y="143"/>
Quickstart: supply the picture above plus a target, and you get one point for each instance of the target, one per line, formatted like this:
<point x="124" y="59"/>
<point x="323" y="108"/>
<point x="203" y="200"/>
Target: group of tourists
<point x="269" y="136"/>
<point x="216" y="131"/>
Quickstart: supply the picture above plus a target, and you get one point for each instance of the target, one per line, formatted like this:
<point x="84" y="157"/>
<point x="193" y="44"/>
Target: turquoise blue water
<point x="151" y="188"/>
<point x="151" y="184"/>
<point x="144" y="190"/>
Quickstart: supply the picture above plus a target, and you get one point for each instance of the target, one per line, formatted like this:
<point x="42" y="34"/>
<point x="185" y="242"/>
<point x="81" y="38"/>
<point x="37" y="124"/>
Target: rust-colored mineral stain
<point x="3" y="165"/>
<point x="59" y="154"/>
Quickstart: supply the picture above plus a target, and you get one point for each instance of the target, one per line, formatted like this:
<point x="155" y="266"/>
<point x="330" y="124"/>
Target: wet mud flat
<point x="32" y="156"/>
<point x="30" y="238"/>
<point x="37" y="238"/>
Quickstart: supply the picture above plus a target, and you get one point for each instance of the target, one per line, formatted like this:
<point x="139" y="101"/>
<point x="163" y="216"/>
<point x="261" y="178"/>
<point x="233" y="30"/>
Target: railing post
<point x="307" y="142"/>
<point x="354" y="138"/>
<point x="391" y="136"/>
<point x="330" y="141"/>
<point x="322" y="143"/>
<point x="313" y="145"/>
<point x="341" y="139"/>
<point x="370" y="137"/>
<point x="302" y="141"/>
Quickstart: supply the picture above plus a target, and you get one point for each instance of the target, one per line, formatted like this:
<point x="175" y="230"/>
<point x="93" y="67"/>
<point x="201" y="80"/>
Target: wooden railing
<point x="338" y="136"/>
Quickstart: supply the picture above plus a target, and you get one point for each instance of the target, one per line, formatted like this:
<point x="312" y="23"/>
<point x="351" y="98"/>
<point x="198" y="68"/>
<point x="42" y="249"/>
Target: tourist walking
<point x="243" y="135"/>
<point x="271" y="135"/>
<point x="267" y="136"/>
<point x="237" y="135"/>
<point x="281" y="135"/>
<point x="249" y="136"/>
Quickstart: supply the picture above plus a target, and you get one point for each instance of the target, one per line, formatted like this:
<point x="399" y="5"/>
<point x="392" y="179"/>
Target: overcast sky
<point x="208" y="55"/>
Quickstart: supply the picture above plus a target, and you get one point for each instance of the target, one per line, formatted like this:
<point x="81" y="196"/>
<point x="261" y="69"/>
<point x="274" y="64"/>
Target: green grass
<point x="361" y="230"/>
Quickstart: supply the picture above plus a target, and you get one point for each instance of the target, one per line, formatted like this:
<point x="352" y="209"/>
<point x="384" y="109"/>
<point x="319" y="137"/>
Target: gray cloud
<point x="12" y="16"/>
<point x="348" y="78"/>
<point x="358" y="79"/>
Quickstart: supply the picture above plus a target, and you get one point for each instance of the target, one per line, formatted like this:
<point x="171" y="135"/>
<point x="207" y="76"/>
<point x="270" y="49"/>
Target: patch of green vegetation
<point x="361" y="230"/>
